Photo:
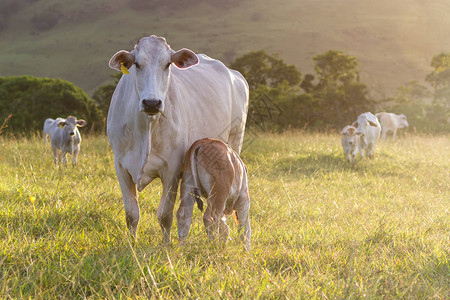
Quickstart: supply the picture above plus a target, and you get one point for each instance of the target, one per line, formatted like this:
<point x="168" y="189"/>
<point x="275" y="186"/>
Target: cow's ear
<point x="184" y="58"/>
<point x="81" y="123"/>
<point x="124" y="57"/>
<point x="355" y="124"/>
<point x="373" y="124"/>
<point x="61" y="124"/>
<point x="359" y="133"/>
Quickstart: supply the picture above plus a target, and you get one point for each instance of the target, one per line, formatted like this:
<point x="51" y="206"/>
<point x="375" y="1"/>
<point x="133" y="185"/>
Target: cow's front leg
<point x="166" y="205"/>
<point x="130" y="201"/>
<point x="75" y="155"/>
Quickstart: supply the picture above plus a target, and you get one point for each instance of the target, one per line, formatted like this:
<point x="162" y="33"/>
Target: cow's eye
<point x="137" y="65"/>
<point x="168" y="65"/>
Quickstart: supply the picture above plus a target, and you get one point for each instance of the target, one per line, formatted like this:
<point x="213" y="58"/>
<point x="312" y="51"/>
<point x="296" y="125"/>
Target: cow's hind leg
<point x="208" y="221"/>
<point x="130" y="201"/>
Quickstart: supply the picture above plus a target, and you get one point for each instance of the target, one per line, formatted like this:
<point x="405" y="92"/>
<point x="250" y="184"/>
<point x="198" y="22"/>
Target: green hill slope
<point x="394" y="41"/>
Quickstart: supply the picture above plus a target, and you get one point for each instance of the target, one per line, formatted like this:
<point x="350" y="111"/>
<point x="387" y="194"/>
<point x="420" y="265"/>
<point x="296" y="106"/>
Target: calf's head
<point x="350" y="135"/>
<point x="70" y="124"/>
<point x="152" y="58"/>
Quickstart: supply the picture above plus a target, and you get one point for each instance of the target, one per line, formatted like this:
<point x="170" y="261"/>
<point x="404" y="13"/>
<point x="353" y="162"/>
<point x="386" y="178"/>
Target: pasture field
<point x="320" y="228"/>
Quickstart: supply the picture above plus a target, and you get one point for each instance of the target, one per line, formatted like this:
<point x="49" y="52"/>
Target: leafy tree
<point x="102" y="95"/>
<point x="340" y="94"/>
<point x="31" y="100"/>
<point x="259" y="68"/>
<point x="409" y="100"/>
<point x="439" y="79"/>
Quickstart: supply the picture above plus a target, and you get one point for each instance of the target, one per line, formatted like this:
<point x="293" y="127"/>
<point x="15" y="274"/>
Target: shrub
<point x="31" y="100"/>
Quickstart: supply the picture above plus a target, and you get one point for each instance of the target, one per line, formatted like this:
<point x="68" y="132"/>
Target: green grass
<point x="320" y="228"/>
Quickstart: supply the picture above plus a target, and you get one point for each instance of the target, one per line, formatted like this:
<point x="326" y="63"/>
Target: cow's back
<point x="387" y="121"/>
<point x="209" y="100"/>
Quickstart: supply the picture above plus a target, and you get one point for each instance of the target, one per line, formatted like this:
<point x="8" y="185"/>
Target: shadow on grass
<point x="317" y="163"/>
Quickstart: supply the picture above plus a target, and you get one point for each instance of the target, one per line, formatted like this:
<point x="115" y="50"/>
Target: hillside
<point x="394" y="41"/>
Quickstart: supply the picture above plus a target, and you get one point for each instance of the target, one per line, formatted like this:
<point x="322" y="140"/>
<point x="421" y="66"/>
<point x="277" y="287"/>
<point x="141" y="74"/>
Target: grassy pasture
<point x="320" y="228"/>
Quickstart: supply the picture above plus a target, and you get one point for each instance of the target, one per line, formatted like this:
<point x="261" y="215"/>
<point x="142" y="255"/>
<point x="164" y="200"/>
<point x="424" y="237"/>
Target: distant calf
<point x="391" y="122"/>
<point x="369" y="127"/>
<point x="212" y="169"/>
<point x="64" y="136"/>
<point x="350" y="139"/>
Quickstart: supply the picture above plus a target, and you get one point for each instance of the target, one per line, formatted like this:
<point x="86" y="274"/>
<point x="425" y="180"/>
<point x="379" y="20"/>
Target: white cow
<point x="158" y="110"/>
<point x="64" y="137"/>
<point x="350" y="139"/>
<point x="369" y="127"/>
<point x="215" y="171"/>
<point x="391" y="122"/>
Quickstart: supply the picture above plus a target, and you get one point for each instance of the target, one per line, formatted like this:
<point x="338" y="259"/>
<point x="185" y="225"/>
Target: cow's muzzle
<point x="152" y="106"/>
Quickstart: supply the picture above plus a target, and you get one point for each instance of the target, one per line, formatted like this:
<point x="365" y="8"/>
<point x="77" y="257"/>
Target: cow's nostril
<point x="72" y="133"/>
<point x="152" y="106"/>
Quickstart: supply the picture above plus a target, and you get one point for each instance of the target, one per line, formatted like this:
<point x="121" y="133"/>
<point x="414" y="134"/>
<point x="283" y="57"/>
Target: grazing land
<point x="321" y="229"/>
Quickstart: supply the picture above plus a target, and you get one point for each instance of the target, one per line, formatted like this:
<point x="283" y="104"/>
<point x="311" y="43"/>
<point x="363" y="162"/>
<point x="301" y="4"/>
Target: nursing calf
<point x="350" y="139"/>
<point x="64" y="136"/>
<point x="213" y="170"/>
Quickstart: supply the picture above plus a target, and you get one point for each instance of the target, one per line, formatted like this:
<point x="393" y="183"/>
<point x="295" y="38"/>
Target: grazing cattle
<point x="64" y="137"/>
<point x="158" y="110"/>
<point x="369" y="127"/>
<point x="350" y="139"/>
<point x="215" y="171"/>
<point x="391" y="122"/>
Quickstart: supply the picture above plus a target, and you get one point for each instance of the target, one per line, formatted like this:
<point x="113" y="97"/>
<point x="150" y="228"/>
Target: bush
<point x="31" y="100"/>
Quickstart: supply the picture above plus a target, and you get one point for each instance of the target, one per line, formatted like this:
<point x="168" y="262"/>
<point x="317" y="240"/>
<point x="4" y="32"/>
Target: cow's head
<point x="362" y="123"/>
<point x="70" y="124"/>
<point x="402" y="121"/>
<point x="152" y="58"/>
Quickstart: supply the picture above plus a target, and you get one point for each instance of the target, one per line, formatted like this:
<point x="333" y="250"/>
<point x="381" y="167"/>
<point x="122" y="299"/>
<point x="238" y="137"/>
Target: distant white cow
<point x="215" y="171"/>
<point x="391" y="122"/>
<point x="369" y="127"/>
<point x="168" y="100"/>
<point x="350" y="139"/>
<point x="64" y="136"/>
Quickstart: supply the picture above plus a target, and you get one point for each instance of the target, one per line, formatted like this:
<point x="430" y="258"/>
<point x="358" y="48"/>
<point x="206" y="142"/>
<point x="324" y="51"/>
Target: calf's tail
<point x="196" y="189"/>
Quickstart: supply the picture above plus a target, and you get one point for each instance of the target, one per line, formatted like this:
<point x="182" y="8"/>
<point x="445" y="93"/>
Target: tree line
<point x="281" y="97"/>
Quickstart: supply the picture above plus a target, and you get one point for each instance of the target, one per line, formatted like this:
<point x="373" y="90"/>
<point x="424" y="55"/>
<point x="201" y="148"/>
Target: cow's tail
<point x="196" y="189"/>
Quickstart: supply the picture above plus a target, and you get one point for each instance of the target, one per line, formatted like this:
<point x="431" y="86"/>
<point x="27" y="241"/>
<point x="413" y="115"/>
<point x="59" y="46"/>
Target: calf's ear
<point x="61" y="124"/>
<point x="359" y="133"/>
<point x="81" y="123"/>
<point x="124" y="57"/>
<point x="355" y="124"/>
<point x="184" y="58"/>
